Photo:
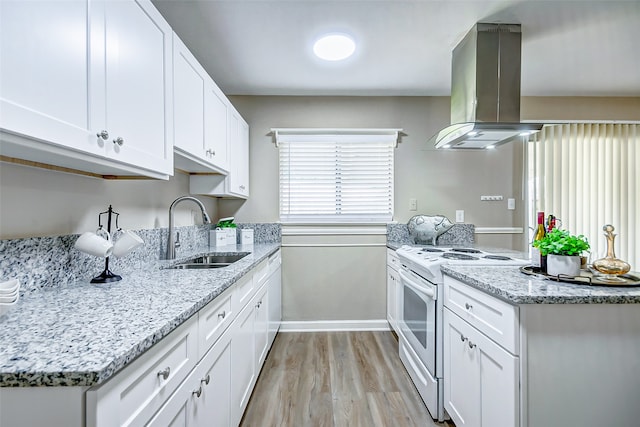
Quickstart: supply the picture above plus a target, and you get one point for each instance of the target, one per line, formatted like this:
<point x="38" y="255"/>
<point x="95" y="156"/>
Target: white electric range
<point x="420" y="313"/>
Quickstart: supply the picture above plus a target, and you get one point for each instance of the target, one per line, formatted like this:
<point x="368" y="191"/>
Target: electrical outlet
<point x="511" y="204"/>
<point x="491" y="198"/>
<point x="413" y="204"/>
<point x="459" y="216"/>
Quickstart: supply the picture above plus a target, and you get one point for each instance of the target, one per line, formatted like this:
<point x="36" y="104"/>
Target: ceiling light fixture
<point x="334" y="47"/>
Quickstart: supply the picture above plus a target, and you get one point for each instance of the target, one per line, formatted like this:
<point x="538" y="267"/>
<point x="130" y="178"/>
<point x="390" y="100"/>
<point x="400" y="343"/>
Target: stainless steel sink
<point x="209" y="261"/>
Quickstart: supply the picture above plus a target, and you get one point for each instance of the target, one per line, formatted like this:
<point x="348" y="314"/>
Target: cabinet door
<point x="239" y="152"/>
<point x="44" y="73"/>
<point x="392" y="299"/>
<point x="216" y="122"/>
<point x="213" y="406"/>
<point x="242" y="362"/>
<point x="462" y="398"/>
<point x="482" y="383"/>
<point x="261" y="328"/>
<point x="275" y="303"/>
<point x="189" y="91"/>
<point x="137" y="85"/>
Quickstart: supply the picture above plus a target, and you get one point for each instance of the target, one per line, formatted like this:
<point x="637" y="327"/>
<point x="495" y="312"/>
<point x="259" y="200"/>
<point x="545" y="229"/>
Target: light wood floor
<point x="335" y="379"/>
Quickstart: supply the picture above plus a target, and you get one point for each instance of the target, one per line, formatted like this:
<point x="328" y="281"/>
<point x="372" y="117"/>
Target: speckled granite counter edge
<point x="96" y="377"/>
<point x="607" y="296"/>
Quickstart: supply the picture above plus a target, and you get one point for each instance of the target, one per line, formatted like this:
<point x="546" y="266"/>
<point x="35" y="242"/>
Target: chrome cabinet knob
<point x="222" y="315"/>
<point x="119" y="140"/>
<point x="468" y="306"/>
<point x="198" y="392"/>
<point x="165" y="373"/>
<point x="242" y="187"/>
<point x="103" y="134"/>
<point x="206" y="380"/>
<point x="462" y="338"/>
<point x="211" y="152"/>
<point x="471" y="345"/>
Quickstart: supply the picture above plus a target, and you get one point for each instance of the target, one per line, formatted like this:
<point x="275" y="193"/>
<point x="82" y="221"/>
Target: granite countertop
<point x="515" y="287"/>
<point x="81" y="334"/>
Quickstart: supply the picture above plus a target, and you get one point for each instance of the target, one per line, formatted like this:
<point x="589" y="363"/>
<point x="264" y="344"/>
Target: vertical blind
<point x="587" y="175"/>
<point x="336" y="177"/>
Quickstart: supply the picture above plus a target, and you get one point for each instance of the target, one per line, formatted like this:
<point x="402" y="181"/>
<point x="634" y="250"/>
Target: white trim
<point x="282" y="134"/>
<point x="332" y="230"/>
<point x="335" y="325"/>
<point x="499" y="230"/>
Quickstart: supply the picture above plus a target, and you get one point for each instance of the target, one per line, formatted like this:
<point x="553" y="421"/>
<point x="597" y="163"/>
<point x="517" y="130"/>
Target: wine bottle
<point x="536" y="257"/>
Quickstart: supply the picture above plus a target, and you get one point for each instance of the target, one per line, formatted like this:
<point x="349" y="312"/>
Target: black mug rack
<point x="107" y="276"/>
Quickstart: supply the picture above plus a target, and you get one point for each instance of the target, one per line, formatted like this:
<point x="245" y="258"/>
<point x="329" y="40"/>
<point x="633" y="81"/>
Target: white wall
<point x="39" y="202"/>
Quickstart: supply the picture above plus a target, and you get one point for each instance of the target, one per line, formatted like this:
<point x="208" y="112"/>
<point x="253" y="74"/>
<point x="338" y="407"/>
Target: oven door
<point x="417" y="316"/>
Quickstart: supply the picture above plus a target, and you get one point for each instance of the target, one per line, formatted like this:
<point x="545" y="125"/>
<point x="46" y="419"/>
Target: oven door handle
<point x="429" y="292"/>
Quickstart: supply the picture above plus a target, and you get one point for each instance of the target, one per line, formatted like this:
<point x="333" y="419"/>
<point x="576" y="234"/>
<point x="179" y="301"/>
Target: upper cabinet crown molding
<point x="86" y="85"/>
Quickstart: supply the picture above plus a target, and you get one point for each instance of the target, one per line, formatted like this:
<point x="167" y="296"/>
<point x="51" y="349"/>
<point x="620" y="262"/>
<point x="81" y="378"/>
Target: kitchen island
<point x="522" y="351"/>
<point x="74" y="338"/>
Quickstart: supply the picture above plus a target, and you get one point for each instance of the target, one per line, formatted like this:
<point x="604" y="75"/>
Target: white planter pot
<point x="563" y="264"/>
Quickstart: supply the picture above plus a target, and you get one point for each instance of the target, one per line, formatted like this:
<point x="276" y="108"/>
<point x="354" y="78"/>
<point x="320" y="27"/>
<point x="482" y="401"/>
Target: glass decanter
<point x="610" y="266"/>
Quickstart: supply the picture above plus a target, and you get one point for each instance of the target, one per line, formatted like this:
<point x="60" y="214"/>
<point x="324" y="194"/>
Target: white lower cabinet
<point x="243" y="372"/>
<point x="482" y="383"/>
<point x="203" y="399"/>
<point x="393" y="282"/>
<point x="275" y="295"/>
<point x="203" y="373"/>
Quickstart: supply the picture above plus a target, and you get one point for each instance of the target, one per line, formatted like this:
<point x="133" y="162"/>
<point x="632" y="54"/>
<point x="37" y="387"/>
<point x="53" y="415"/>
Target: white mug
<point x="96" y="244"/>
<point x="127" y="242"/>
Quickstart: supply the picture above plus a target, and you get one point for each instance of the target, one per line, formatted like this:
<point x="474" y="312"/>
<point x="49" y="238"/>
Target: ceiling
<point x="264" y="47"/>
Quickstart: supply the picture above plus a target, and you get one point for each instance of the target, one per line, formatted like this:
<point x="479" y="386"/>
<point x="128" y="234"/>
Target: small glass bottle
<point x="610" y="266"/>
<point x="536" y="258"/>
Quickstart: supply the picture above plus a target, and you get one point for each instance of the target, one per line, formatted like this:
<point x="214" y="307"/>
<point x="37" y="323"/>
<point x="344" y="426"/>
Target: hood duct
<point x="485" y="90"/>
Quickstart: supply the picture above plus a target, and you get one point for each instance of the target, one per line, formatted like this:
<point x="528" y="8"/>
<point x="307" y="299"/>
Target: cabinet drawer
<point x="132" y="396"/>
<point x="392" y="259"/>
<point x="495" y="318"/>
<point x="244" y="291"/>
<point x="260" y="273"/>
<point x="213" y="320"/>
<point x="275" y="260"/>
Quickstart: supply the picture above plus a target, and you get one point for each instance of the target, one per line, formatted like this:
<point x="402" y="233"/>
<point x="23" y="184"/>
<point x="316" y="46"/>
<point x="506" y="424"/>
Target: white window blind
<point x="587" y="175"/>
<point x="336" y="175"/>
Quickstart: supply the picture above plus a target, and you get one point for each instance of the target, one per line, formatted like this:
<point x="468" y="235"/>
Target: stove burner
<point x="497" y="257"/>
<point x="432" y="250"/>
<point x="466" y="250"/>
<point x="451" y="255"/>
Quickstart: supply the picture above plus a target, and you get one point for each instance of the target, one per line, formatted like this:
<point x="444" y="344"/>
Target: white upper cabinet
<point x="236" y="184"/>
<point x="200" y="116"/>
<point x="86" y="85"/>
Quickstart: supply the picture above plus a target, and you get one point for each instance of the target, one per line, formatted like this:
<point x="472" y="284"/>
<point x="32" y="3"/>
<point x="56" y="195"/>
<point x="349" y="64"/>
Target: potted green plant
<point x="563" y="251"/>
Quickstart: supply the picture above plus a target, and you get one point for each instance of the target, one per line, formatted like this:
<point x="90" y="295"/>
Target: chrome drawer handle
<point x="222" y="315"/>
<point x="103" y="134"/>
<point x="165" y="373"/>
<point x="206" y="380"/>
<point x="468" y="306"/>
<point x="198" y="392"/>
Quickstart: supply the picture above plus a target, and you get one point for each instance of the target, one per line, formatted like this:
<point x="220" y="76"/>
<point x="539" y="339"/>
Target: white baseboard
<point x="334" y="325"/>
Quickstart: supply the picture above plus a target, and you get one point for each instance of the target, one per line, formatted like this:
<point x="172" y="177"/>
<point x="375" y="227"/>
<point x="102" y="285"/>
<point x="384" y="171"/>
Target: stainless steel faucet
<point x="171" y="243"/>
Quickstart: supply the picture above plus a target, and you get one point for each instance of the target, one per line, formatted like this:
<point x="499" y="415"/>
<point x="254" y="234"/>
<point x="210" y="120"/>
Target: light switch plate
<point x="511" y="204"/>
<point x="460" y="216"/>
<point x="413" y="204"/>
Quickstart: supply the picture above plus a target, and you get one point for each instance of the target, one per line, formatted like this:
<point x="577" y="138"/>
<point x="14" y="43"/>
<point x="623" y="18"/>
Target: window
<point x="338" y="175"/>
<point x="588" y="176"/>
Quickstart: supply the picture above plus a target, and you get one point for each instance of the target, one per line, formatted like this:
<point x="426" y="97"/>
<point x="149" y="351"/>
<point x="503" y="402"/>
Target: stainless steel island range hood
<point x="485" y="90"/>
